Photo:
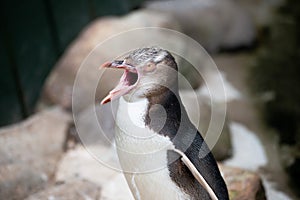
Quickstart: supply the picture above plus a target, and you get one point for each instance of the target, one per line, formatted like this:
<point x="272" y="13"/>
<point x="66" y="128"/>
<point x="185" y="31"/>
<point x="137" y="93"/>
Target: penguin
<point x="162" y="154"/>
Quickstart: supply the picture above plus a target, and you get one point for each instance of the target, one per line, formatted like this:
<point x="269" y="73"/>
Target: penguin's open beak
<point x="127" y="82"/>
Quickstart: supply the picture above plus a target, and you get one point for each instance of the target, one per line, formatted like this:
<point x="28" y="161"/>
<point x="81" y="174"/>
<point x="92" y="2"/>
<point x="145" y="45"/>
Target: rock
<point x="246" y="146"/>
<point x="262" y="11"/>
<point x="92" y="163"/>
<point x="199" y="111"/>
<point x="236" y="67"/>
<point x="29" y="152"/>
<point x="214" y="23"/>
<point x="95" y="165"/>
<point x="95" y="125"/>
<point x="242" y="184"/>
<point x="59" y="85"/>
<point x="78" y="189"/>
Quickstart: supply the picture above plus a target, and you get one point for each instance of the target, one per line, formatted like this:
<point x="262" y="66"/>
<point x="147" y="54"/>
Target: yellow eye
<point x="150" y="67"/>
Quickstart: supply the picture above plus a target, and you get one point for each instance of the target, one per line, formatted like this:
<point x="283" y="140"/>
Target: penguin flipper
<point x="196" y="174"/>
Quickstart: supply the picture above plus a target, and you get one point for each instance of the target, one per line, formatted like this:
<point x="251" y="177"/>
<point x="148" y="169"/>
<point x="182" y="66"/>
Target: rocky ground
<point x="37" y="166"/>
<point x="42" y="159"/>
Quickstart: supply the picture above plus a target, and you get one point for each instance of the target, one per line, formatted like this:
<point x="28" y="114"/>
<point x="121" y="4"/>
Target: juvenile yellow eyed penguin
<point x="161" y="152"/>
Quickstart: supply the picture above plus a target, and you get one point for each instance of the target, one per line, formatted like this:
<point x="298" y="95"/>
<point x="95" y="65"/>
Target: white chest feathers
<point x="143" y="154"/>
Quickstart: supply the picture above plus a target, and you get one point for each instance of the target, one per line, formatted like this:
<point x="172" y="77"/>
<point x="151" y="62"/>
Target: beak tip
<point x="105" y="100"/>
<point x="105" y="65"/>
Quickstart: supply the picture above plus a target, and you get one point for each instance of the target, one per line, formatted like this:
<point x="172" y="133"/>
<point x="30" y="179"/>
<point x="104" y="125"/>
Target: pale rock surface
<point x="29" y="152"/>
<point x="247" y="149"/>
<point x="214" y="23"/>
<point x="98" y="164"/>
<point x="77" y="190"/>
<point x="243" y="184"/>
<point x="95" y="125"/>
<point x="92" y="163"/>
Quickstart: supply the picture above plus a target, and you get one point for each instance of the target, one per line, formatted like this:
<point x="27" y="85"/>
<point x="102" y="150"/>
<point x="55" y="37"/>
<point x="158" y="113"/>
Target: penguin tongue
<point x="126" y="84"/>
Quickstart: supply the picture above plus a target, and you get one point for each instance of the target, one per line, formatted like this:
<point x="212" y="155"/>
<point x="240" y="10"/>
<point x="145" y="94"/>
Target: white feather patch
<point x="143" y="153"/>
<point x="135" y="188"/>
<point x="160" y="57"/>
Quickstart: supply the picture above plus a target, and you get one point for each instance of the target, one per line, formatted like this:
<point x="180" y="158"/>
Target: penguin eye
<point x="150" y="67"/>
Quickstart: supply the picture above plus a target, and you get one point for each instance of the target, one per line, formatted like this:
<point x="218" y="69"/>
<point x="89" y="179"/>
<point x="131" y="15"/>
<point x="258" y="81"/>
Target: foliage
<point x="278" y="71"/>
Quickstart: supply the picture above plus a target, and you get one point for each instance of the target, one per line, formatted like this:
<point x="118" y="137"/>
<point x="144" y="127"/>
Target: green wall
<point x="34" y="33"/>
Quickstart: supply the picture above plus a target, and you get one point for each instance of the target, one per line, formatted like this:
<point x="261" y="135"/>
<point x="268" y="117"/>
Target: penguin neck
<point x="162" y="112"/>
<point x="173" y="111"/>
<point x="164" y="95"/>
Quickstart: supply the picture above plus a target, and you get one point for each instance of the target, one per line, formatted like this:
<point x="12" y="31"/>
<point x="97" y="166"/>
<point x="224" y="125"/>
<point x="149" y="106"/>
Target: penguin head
<point x="147" y="71"/>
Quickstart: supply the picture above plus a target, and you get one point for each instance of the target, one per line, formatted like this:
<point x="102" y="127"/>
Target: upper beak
<point x="118" y="64"/>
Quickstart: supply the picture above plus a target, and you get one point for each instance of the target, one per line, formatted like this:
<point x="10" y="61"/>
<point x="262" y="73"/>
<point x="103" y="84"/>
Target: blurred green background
<point x="34" y="34"/>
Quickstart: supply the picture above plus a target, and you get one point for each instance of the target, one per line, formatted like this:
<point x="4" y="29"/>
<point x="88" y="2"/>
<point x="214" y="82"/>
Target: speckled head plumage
<point x="146" y="71"/>
<point x="150" y="54"/>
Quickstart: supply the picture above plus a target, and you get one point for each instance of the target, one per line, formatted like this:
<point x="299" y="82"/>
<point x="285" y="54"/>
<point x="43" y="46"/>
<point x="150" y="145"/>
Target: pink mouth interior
<point x="126" y="83"/>
<point x="129" y="78"/>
